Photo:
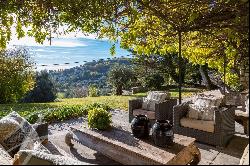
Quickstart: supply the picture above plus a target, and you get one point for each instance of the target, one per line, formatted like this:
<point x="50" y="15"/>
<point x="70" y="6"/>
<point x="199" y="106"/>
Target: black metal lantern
<point x="162" y="133"/>
<point x="140" y="126"/>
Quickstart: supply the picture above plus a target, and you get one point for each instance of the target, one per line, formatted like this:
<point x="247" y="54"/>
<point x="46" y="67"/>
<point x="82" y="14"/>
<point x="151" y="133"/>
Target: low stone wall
<point x="138" y="89"/>
<point x="244" y="76"/>
<point x="229" y="98"/>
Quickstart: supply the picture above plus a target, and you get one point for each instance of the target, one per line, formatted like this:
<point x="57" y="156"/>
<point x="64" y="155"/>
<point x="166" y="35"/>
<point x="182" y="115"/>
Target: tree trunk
<point x="118" y="90"/>
<point x="205" y="77"/>
<point x="171" y="69"/>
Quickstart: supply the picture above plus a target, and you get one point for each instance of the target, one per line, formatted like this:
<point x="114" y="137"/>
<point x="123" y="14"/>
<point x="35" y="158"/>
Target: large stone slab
<point x="121" y="146"/>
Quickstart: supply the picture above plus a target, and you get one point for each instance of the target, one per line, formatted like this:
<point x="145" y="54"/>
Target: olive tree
<point x="120" y="76"/>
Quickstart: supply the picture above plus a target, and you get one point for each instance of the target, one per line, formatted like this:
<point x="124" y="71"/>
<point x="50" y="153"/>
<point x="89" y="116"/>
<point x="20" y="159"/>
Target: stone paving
<point x="210" y="155"/>
<point x="231" y="155"/>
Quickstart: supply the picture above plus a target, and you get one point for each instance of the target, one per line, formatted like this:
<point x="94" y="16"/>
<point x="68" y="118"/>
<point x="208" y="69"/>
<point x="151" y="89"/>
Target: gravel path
<point x="57" y="133"/>
<point x="119" y="117"/>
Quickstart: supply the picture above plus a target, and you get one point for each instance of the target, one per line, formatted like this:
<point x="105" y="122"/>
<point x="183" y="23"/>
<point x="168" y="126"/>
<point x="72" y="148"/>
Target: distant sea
<point x="69" y="52"/>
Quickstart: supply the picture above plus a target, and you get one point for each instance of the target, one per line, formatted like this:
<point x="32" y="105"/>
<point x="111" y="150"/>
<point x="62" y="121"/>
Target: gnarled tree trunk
<point x="118" y="90"/>
<point x="205" y="77"/>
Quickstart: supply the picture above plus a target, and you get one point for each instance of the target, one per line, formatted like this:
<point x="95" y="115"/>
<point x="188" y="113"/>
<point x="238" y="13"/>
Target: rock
<point x="68" y="138"/>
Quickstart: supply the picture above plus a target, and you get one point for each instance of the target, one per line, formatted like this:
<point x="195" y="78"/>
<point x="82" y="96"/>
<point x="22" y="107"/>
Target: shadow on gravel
<point x="99" y="158"/>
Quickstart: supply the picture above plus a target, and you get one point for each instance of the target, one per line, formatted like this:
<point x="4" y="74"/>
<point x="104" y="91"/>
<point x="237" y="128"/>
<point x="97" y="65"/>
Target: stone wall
<point x="244" y="74"/>
<point x="247" y="104"/>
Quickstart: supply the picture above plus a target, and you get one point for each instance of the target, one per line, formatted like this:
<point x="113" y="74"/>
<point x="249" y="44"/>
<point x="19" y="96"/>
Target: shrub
<point x="16" y="74"/>
<point x="65" y="113"/>
<point x="99" y="105"/>
<point x="56" y="114"/>
<point x="99" y="118"/>
<point x="93" y="91"/>
<point x="33" y="118"/>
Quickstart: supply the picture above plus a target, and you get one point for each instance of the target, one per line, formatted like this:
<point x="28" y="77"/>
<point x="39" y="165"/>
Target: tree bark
<point x="205" y="77"/>
<point x="118" y="90"/>
<point x="171" y="69"/>
<point x="180" y="67"/>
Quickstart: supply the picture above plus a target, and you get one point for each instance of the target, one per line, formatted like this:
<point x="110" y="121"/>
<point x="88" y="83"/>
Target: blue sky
<point x="70" y="48"/>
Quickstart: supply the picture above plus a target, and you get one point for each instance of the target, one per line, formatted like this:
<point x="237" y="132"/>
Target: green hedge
<point x="57" y="114"/>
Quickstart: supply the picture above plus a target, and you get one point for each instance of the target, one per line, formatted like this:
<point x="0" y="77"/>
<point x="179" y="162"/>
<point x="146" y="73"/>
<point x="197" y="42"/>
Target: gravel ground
<point x="57" y="133"/>
<point x="119" y="117"/>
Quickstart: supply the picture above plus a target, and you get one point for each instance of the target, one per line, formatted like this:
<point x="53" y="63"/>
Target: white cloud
<point x="57" y="39"/>
<point x="29" y="41"/>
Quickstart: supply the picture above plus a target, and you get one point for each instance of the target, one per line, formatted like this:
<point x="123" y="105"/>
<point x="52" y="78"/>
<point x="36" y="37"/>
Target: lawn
<point x="61" y="105"/>
<point x="112" y="101"/>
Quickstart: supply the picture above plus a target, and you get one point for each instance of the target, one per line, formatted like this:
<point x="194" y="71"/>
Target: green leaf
<point x="112" y="50"/>
<point x="193" y="16"/>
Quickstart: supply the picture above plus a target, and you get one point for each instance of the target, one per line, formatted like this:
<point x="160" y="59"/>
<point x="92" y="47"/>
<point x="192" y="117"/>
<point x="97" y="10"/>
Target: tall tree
<point x="120" y="76"/>
<point x="16" y="74"/>
<point x="167" y="65"/>
<point x="204" y="74"/>
<point x="154" y="81"/>
<point x="44" y="89"/>
<point x="202" y="30"/>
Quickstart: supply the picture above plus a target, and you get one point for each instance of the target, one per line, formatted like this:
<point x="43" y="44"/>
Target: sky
<point x="30" y="41"/>
<point x="69" y="48"/>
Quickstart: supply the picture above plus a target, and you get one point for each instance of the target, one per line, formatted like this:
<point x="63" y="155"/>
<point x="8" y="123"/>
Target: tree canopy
<point x="44" y="89"/>
<point x="120" y="77"/>
<point x="211" y="29"/>
<point x="16" y="75"/>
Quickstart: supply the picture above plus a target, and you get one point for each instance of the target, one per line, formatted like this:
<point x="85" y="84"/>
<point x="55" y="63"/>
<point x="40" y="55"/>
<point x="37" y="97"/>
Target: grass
<point x="186" y="92"/>
<point x="77" y="104"/>
<point x="64" y="105"/>
<point x="113" y="101"/>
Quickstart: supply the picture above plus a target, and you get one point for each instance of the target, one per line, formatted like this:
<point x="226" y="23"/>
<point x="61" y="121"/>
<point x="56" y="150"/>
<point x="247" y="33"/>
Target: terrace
<point x="82" y="153"/>
<point x="177" y="94"/>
